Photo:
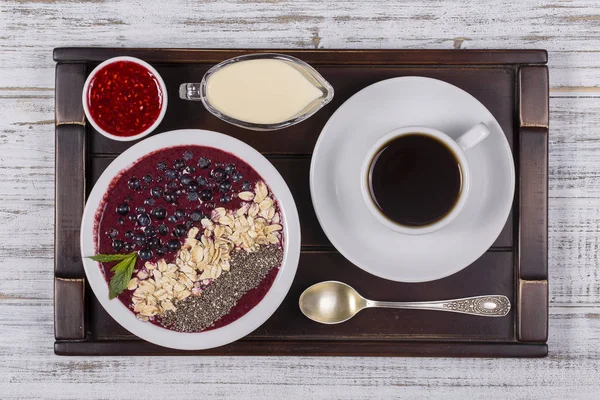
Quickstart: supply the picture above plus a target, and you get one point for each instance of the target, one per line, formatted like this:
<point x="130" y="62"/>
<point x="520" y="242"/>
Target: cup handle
<point x="190" y="91"/>
<point x="473" y="136"/>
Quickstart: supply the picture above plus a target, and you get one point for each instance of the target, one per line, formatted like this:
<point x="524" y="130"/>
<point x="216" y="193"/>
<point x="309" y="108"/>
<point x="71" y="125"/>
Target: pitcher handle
<point x="190" y="91"/>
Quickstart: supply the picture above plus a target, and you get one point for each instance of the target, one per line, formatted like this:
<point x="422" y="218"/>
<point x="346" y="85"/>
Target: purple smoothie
<point x="148" y="205"/>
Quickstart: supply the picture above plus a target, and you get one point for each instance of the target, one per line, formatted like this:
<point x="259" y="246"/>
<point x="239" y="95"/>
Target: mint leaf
<point x="122" y="276"/>
<point x="110" y="257"/>
<point x="134" y="254"/>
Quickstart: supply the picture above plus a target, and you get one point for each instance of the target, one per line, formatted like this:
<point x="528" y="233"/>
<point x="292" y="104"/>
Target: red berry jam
<point x="124" y="98"/>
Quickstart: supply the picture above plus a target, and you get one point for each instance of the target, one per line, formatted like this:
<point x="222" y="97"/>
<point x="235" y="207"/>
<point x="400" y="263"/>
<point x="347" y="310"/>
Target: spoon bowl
<point x="331" y="302"/>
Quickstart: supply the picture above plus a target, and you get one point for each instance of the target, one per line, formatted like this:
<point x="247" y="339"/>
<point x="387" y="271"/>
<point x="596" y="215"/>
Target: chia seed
<point x="248" y="270"/>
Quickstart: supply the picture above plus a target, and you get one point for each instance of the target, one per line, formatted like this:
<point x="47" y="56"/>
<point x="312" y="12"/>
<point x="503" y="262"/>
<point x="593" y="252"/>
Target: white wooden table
<point x="29" y="29"/>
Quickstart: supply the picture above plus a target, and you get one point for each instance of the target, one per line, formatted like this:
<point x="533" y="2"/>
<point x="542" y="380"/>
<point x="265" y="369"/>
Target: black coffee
<point x="415" y="180"/>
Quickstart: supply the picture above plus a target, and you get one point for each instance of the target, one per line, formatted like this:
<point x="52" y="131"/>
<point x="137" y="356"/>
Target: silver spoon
<point x="332" y="302"/>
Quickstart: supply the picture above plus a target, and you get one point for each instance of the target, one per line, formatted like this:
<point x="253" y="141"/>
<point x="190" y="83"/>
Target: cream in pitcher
<point x="261" y="91"/>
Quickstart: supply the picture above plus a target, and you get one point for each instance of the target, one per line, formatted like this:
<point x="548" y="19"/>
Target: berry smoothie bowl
<point x="190" y="239"/>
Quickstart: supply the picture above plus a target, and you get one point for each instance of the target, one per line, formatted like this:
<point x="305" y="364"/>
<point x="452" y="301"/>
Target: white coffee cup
<point x="466" y="141"/>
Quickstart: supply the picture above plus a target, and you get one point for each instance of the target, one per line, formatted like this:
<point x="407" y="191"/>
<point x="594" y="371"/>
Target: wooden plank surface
<point x="287" y="323"/>
<point x="289" y="151"/>
<point x="314" y="57"/>
<point x="497" y="94"/>
<point x="568" y="29"/>
<point x="29" y="29"/>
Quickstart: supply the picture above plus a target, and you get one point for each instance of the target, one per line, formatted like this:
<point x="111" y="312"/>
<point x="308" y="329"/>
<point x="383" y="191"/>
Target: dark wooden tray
<point x="513" y="85"/>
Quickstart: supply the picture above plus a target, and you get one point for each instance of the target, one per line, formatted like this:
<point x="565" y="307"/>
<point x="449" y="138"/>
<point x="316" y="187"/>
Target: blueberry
<point x="179" y="230"/>
<point x="112" y="233"/>
<point x="145" y="254"/>
<point x="170" y="197"/>
<point x="211" y="185"/>
<point x="192" y="186"/>
<point x="148" y="178"/>
<point x="210" y="205"/>
<point x="161" y="166"/>
<point x="163" y="229"/>
<point x="129" y="235"/>
<point x="156" y="192"/>
<point x="132" y="217"/>
<point x="179" y="164"/>
<point x="180" y="214"/>
<point x="159" y="213"/>
<point x="128" y="247"/>
<point x="172" y="219"/>
<point x="172" y="185"/>
<point x="225" y="199"/>
<point x="134" y="183"/>
<point x="144" y="219"/>
<point x="170" y="174"/>
<point x="201" y="180"/>
<point x="189" y="169"/>
<point x="120" y="221"/>
<point x="196" y="216"/>
<point x="149" y="201"/>
<point x="188" y="155"/>
<point x="192" y="196"/>
<point x="185" y="179"/>
<point x="237" y="176"/>
<point x="218" y="174"/>
<point x="153" y="243"/>
<point x="161" y="251"/>
<point x="173" y="245"/>
<point x="150" y="231"/>
<point x="206" y="195"/>
<point x="117" y="245"/>
<point x="123" y="209"/>
<point x="139" y="239"/>
<point x="225" y="186"/>
<point x="203" y="162"/>
<point x="140" y="210"/>
<point x="180" y="192"/>
<point x="230" y="168"/>
<point x="189" y="224"/>
<point x="246" y="186"/>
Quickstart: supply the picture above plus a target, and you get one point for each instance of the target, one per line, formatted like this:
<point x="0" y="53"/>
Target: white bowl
<point x="109" y="135"/>
<point x="257" y="315"/>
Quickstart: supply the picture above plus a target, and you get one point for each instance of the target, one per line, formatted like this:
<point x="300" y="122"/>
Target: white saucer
<point x="336" y="191"/>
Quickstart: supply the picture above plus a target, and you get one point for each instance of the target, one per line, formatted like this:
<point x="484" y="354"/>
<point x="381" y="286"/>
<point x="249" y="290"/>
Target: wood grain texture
<point x="533" y="208"/>
<point x="569" y="30"/>
<point x="70" y="79"/>
<point x="69" y="199"/>
<point x="69" y="320"/>
<point x="30" y="370"/>
<point x="315" y="57"/>
<point x="29" y="29"/>
<point x="532" y="179"/>
<point x="532" y="319"/>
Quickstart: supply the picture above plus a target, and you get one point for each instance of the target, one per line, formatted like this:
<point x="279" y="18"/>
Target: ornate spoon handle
<point x="485" y="306"/>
